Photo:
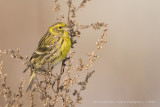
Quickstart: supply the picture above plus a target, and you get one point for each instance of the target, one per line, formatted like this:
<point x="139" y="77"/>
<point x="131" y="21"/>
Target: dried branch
<point x="69" y="10"/>
<point x="56" y="6"/>
<point x="82" y="5"/>
<point x="59" y="87"/>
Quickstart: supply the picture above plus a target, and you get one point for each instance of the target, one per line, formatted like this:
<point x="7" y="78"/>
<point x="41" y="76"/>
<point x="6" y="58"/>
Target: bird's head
<point x="59" y="28"/>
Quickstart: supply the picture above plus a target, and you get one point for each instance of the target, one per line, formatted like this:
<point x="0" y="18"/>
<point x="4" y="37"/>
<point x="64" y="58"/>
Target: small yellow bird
<point x="52" y="48"/>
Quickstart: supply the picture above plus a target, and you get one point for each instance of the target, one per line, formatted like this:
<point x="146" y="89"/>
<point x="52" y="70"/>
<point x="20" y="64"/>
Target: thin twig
<point x="62" y="88"/>
<point x="59" y="77"/>
<point x="69" y="10"/>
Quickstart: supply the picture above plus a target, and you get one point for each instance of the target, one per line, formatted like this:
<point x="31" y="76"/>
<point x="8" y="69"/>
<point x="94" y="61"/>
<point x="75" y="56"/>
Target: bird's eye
<point x="60" y="27"/>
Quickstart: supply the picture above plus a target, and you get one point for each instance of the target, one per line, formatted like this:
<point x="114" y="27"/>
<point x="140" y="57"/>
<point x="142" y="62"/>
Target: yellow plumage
<point x="52" y="48"/>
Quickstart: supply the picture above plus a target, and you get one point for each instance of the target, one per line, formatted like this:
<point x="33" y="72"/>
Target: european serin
<point x="52" y="48"/>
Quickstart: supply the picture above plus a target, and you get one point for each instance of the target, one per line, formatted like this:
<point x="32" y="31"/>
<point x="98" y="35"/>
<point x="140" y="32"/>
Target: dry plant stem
<point x="59" y="78"/>
<point x="14" y="54"/>
<point x="32" y="99"/>
<point x="69" y="10"/>
<point x="82" y="5"/>
<point x="63" y="62"/>
<point x="12" y="99"/>
<point x="54" y="89"/>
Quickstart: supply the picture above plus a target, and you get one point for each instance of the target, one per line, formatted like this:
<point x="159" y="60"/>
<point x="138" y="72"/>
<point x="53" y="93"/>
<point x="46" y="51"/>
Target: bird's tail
<point x="31" y="81"/>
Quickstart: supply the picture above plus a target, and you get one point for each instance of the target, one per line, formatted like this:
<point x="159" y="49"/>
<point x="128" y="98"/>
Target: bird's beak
<point x="66" y="29"/>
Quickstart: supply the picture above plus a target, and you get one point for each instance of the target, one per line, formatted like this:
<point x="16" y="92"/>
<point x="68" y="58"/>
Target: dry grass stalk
<point x="58" y="88"/>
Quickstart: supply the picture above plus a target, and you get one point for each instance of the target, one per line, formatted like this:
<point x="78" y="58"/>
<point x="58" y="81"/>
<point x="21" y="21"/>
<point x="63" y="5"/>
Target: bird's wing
<point x="46" y="44"/>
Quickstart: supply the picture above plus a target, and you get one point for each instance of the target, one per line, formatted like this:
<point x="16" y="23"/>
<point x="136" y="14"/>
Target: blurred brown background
<point x="128" y="68"/>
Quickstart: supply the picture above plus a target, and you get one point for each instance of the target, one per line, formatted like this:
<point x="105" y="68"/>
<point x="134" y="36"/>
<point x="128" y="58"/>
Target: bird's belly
<point x="55" y="56"/>
<point x="62" y="52"/>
